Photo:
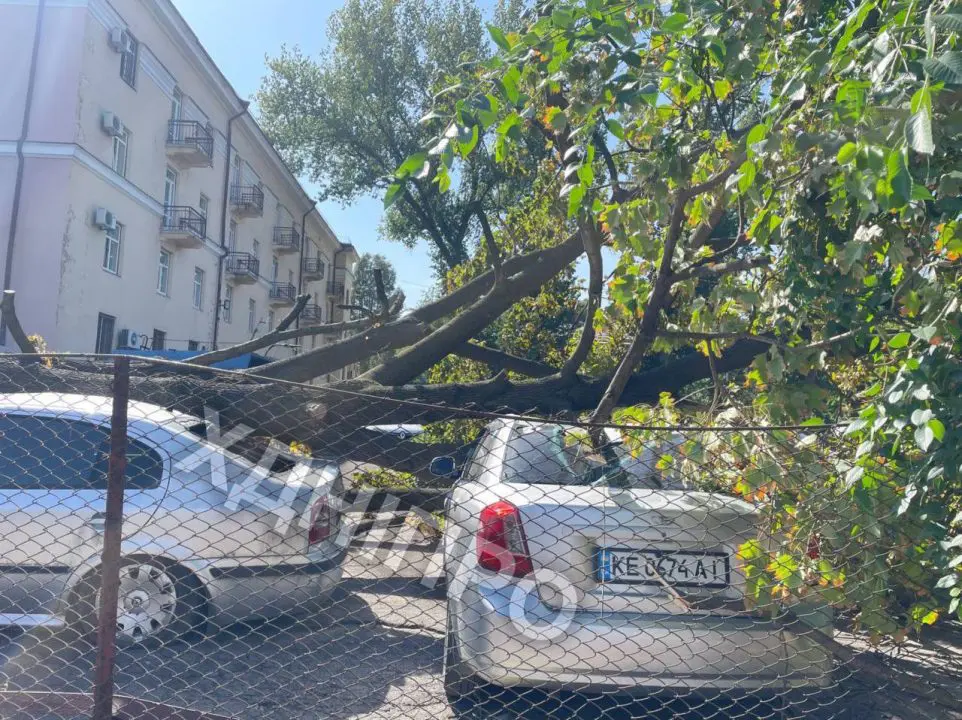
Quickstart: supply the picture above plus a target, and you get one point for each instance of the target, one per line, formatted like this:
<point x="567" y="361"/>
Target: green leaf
<point x="499" y="37"/>
<point x="949" y="21"/>
<point x="937" y="428"/>
<point x="615" y="128"/>
<point x="746" y="176"/>
<point x="756" y="135"/>
<point x="947" y="581"/>
<point x="929" y="27"/>
<point x="468" y="144"/>
<point x="946" y="68"/>
<point x="918" y="131"/>
<point x="900" y="340"/>
<point x="575" y="196"/>
<point x="393" y="191"/>
<point x="509" y="83"/>
<point x="722" y="88"/>
<point x="847" y="153"/>
<point x="675" y="22"/>
<point x="924" y="437"/>
<point x="413" y="164"/>
<point x="852" y="25"/>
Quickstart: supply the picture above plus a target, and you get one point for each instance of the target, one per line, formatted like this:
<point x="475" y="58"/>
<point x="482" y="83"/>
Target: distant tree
<point x="365" y="291"/>
<point x="351" y="116"/>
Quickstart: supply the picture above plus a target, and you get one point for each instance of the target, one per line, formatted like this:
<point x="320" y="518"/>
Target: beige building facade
<point x="140" y="204"/>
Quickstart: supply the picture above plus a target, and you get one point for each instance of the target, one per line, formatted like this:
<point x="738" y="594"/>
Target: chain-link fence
<point x="240" y="548"/>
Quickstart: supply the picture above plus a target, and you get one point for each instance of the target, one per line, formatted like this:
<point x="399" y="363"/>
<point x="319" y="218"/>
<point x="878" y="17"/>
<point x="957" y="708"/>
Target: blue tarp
<point x="241" y="362"/>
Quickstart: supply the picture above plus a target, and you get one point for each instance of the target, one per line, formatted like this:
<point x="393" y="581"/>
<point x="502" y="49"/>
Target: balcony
<point x="313" y="268"/>
<point x="282" y="294"/>
<point x="190" y="144"/>
<point x="183" y="227"/>
<point x="243" y="267"/>
<point x="335" y="289"/>
<point x="312" y="314"/>
<point x="247" y="200"/>
<point x="286" y="239"/>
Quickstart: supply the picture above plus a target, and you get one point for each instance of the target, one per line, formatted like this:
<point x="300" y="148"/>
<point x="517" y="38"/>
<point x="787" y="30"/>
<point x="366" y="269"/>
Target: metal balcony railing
<point x="313" y="267"/>
<point x="283" y="292"/>
<point x="312" y="314"/>
<point x="335" y="289"/>
<point x="192" y="136"/>
<point x="243" y="264"/>
<point x="247" y="198"/>
<point x="183" y="219"/>
<point x="286" y="238"/>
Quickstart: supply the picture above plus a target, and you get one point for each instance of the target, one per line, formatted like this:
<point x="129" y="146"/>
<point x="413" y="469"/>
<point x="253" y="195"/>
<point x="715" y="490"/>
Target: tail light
<point x="502" y="546"/>
<point x="323" y="522"/>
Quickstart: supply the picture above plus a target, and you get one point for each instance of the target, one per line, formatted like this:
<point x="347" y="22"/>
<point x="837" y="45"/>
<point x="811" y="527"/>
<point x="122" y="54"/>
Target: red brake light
<point x="502" y="546"/>
<point x="322" y="522"/>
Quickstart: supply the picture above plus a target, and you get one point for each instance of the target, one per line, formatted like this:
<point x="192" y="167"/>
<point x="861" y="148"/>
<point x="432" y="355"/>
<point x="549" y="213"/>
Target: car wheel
<point x="157" y="602"/>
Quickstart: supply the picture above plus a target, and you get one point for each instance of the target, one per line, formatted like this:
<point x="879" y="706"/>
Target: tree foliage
<point x="826" y="137"/>
<point x="351" y="116"/>
<point x="365" y="288"/>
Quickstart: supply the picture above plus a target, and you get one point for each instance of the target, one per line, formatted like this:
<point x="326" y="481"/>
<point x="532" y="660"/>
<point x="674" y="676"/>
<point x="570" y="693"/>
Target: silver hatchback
<point x="207" y="534"/>
<point x="561" y="578"/>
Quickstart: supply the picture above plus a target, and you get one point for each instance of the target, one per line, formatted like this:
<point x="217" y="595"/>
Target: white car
<point x="566" y="574"/>
<point x="207" y="534"/>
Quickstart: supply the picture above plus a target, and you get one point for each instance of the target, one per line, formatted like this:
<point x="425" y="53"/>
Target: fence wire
<point x="294" y="552"/>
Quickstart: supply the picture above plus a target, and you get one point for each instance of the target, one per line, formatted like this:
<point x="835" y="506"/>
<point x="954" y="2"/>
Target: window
<point x="118" y="160"/>
<point x="159" y="340"/>
<point x="290" y="277"/>
<point x="128" y="60"/>
<point x="203" y="205"/>
<point x="176" y="104"/>
<point x="251" y="316"/>
<point x="256" y="249"/>
<point x="270" y="321"/>
<point x="198" y="289"/>
<point x="275" y="268"/>
<point x="232" y="237"/>
<point x="228" y="302"/>
<point x="193" y="345"/>
<point x="105" y="333"/>
<point x="112" y="240"/>
<point x="170" y="187"/>
<point x="50" y="453"/>
<point x="163" y="273"/>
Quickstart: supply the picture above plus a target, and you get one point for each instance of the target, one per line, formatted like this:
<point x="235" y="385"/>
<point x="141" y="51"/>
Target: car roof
<point x="92" y="406"/>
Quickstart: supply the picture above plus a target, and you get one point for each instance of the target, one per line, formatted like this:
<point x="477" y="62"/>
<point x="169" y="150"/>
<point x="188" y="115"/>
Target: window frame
<point x="113" y="241"/>
<point x="120" y="141"/>
<point x="203" y="206"/>
<point x="160" y="335"/>
<point x="163" y="271"/>
<point x="129" y="60"/>
<point x="251" y="315"/>
<point x="197" y="298"/>
<point x="226" y="310"/>
<point x="103" y="321"/>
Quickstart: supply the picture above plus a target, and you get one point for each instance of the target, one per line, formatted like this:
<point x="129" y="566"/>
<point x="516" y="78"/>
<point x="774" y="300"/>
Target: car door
<point x="51" y="505"/>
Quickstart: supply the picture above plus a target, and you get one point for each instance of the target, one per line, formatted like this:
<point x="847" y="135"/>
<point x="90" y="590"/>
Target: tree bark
<point x="499" y="360"/>
<point x="9" y="311"/>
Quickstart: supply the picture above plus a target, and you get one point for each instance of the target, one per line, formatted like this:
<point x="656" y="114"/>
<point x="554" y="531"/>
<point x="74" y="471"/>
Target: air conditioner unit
<point x="120" y="40"/>
<point x="104" y="219"/>
<point x="128" y="339"/>
<point x="111" y="124"/>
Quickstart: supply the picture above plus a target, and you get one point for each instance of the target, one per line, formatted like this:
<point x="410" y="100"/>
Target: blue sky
<point x="238" y="34"/>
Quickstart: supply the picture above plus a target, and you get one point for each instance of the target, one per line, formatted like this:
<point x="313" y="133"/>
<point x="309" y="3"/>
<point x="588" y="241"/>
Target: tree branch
<point x="251" y="345"/>
<point x="9" y="311"/>
<point x="719" y="269"/>
<point x="317" y="362"/>
<point x="366" y="312"/>
<point x="494" y="255"/>
<point x="382" y="300"/>
<point x="500" y="360"/>
<point x="592" y="243"/>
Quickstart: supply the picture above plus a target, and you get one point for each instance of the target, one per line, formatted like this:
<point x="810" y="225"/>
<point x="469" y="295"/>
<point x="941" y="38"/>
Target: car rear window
<point x="51" y="453"/>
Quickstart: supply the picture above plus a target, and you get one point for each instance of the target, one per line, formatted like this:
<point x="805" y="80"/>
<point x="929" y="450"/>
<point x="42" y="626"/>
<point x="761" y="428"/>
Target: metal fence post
<point x="110" y="559"/>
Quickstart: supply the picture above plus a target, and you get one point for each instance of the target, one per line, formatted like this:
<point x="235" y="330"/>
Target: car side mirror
<point x="443" y="466"/>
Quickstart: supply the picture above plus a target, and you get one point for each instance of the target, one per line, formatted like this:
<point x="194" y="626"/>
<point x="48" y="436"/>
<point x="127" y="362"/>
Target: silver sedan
<point x="208" y="535"/>
<point x="564" y="574"/>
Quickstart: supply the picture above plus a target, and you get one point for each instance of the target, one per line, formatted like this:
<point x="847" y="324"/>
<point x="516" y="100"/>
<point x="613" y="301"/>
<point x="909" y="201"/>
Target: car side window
<point x="50" y="453"/>
<point x="47" y="453"/>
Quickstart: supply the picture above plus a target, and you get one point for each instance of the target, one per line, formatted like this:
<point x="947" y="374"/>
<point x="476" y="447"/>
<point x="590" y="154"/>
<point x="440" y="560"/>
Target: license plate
<point x="679" y="568"/>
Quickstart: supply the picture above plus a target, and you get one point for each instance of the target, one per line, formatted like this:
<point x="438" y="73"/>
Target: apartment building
<point x="140" y="204"/>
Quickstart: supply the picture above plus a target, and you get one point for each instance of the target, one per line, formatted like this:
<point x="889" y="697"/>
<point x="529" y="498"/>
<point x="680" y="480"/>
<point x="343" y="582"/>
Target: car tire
<point x="185" y="620"/>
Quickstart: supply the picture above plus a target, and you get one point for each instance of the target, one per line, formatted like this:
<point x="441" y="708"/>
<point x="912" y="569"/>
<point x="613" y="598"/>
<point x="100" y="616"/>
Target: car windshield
<point x="557" y="455"/>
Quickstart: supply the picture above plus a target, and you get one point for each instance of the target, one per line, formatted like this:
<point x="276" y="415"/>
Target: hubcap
<point x="146" y="601"/>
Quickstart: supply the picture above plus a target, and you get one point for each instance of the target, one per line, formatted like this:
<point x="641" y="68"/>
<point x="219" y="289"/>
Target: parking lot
<point x="373" y="651"/>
